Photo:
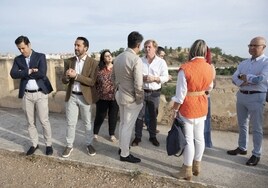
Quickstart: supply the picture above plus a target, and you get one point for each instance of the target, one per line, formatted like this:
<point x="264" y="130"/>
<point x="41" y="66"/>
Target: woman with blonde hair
<point x="191" y="105"/>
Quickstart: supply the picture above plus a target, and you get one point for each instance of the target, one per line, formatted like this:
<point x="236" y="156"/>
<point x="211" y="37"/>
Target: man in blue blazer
<point x="31" y="68"/>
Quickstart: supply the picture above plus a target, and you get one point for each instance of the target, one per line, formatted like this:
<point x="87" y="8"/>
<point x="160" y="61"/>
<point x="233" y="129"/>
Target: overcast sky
<point x="53" y="25"/>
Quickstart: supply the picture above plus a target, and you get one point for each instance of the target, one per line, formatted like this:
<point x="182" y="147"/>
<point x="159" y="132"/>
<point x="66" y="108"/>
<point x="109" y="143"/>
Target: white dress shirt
<point x="31" y="85"/>
<point x="78" y="68"/>
<point x="158" y="68"/>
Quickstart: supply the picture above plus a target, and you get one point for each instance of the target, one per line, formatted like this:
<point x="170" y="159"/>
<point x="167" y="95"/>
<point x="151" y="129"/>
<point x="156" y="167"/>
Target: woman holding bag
<point x="191" y="105"/>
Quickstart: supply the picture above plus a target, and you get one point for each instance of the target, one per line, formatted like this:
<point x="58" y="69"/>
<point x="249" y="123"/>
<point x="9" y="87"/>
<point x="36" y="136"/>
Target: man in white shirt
<point x="80" y="73"/>
<point x="155" y="73"/>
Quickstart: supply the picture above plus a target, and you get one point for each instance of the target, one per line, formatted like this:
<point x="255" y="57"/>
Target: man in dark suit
<point x="31" y="68"/>
<point x="80" y="73"/>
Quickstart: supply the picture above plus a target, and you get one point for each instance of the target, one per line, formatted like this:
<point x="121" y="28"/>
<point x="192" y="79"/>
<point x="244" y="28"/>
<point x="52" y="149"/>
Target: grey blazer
<point x="128" y="78"/>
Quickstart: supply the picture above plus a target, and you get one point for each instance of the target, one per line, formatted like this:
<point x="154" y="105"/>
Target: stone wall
<point x="223" y="97"/>
<point x="223" y="107"/>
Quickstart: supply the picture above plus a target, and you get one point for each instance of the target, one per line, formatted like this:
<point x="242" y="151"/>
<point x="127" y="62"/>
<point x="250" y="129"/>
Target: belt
<point x="250" y="92"/>
<point x="77" y="93"/>
<point x="195" y="93"/>
<point x="33" y="91"/>
<point x="151" y="91"/>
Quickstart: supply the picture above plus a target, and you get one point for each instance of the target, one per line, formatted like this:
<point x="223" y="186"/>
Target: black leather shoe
<point x="31" y="150"/>
<point x="130" y="158"/>
<point x="237" y="151"/>
<point x="154" y="141"/>
<point x="49" y="150"/>
<point x="136" y="141"/>
<point x="253" y="161"/>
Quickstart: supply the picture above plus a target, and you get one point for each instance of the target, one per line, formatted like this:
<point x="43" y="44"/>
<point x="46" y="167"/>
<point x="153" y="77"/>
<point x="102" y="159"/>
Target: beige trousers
<point x="36" y="104"/>
<point x="128" y="117"/>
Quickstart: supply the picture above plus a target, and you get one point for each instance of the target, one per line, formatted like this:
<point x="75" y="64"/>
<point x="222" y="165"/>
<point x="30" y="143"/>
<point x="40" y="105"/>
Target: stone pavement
<point x="218" y="168"/>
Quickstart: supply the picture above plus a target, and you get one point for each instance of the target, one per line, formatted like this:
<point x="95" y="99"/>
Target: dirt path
<point x="17" y="170"/>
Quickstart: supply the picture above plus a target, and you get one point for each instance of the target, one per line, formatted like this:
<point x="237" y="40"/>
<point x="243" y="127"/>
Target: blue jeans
<point x="250" y="108"/>
<point x="207" y="129"/>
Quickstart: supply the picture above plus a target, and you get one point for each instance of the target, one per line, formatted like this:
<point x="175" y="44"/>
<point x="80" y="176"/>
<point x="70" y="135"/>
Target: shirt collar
<point x="258" y="58"/>
<point x="82" y="59"/>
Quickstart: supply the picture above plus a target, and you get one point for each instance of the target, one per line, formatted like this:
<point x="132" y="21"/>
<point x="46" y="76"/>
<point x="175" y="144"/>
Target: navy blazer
<point x="20" y="70"/>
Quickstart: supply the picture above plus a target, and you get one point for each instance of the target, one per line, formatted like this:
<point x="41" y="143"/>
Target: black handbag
<point x="176" y="142"/>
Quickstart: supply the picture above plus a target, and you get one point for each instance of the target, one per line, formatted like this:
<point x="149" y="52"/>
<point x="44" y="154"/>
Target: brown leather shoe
<point x="136" y="141"/>
<point x="185" y="173"/>
<point x="196" y="167"/>
<point x="237" y="151"/>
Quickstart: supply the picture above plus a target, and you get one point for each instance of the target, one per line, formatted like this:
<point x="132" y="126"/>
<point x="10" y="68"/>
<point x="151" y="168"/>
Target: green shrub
<point x="168" y="90"/>
<point x="228" y="71"/>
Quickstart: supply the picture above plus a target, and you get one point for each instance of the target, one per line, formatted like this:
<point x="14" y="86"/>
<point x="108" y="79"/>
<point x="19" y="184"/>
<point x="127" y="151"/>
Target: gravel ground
<point x="18" y="170"/>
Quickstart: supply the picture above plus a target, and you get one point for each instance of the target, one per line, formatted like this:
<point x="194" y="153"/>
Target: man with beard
<point x="80" y="74"/>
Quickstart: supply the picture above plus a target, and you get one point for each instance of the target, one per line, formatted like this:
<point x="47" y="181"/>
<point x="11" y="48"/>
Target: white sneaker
<point x="113" y="138"/>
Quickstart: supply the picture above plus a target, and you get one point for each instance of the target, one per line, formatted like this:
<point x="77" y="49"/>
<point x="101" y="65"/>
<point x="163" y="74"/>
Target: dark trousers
<point x="151" y="102"/>
<point x="102" y="106"/>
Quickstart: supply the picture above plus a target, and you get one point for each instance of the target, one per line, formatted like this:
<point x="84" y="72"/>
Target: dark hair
<point x="160" y="49"/>
<point x="21" y="39"/>
<point x="86" y="43"/>
<point x="102" y="63"/>
<point x="134" y="39"/>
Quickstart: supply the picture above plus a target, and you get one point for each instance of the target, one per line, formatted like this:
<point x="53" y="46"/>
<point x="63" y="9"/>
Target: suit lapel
<point x="86" y="66"/>
<point x="73" y="62"/>
<point x="33" y="60"/>
<point x="22" y="59"/>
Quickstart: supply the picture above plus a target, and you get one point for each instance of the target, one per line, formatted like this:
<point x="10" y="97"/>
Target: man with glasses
<point x="251" y="99"/>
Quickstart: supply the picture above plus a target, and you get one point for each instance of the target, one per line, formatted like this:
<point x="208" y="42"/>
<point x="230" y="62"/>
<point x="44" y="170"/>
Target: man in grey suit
<point x="80" y="73"/>
<point x="127" y="75"/>
<point x="31" y="68"/>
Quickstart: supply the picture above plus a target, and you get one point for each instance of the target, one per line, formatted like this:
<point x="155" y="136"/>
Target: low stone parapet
<point x="223" y="106"/>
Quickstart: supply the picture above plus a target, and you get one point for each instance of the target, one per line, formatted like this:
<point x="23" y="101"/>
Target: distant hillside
<point x="175" y="57"/>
